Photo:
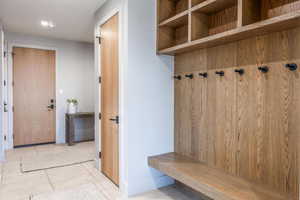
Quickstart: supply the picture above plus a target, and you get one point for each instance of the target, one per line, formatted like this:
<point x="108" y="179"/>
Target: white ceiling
<point x="73" y="18"/>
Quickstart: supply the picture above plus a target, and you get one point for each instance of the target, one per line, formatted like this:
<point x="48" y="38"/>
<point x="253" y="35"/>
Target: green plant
<point x="74" y="101"/>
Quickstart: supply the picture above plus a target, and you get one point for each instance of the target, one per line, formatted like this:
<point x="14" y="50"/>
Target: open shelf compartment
<point x="169" y="8"/>
<point x="259" y="10"/>
<point x="213" y="17"/>
<point x="173" y="32"/>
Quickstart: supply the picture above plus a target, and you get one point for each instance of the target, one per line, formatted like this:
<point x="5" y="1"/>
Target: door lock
<point x="117" y="120"/>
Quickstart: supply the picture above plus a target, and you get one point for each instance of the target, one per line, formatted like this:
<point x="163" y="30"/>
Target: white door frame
<point x="10" y="140"/>
<point x="2" y="113"/>
<point x="122" y="160"/>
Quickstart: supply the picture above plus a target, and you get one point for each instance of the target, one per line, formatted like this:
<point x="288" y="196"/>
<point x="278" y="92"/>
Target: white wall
<point x="149" y="99"/>
<point x="1" y="93"/>
<point x="74" y="74"/>
<point x="146" y="96"/>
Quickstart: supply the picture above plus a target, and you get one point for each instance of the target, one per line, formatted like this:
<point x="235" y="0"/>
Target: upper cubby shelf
<point x="186" y="25"/>
<point x="213" y="17"/>
<point x="211" y="6"/>
<point x="169" y="8"/>
<point x="271" y="25"/>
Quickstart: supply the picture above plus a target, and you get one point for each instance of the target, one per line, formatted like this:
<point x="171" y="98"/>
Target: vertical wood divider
<point x="240" y="13"/>
<point x="190" y="22"/>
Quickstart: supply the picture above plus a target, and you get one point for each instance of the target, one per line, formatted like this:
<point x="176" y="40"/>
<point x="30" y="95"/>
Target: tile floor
<point x="16" y="185"/>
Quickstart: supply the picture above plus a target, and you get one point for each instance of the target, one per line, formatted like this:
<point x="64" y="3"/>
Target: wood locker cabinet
<point x="267" y="150"/>
<point x="244" y="125"/>
<point x="243" y="145"/>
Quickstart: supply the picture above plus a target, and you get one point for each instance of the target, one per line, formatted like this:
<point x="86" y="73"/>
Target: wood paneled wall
<point x="248" y="125"/>
<point x="275" y="47"/>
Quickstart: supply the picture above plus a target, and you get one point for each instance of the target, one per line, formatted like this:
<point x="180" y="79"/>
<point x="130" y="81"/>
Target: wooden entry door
<point x="33" y="96"/>
<point x="110" y="98"/>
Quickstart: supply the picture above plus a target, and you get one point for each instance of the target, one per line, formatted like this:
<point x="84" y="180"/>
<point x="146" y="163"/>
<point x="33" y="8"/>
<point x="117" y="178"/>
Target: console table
<point x="70" y="124"/>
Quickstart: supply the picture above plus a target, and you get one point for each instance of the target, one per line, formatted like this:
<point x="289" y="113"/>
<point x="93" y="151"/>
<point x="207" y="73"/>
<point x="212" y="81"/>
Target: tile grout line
<point x="93" y="182"/>
<point x="51" y="184"/>
<point x="102" y="189"/>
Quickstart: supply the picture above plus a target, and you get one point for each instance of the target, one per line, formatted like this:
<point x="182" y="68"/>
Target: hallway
<point x="16" y="185"/>
<point x="80" y="181"/>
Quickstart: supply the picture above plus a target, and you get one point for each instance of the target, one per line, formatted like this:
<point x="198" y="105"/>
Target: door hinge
<point x="100" y="155"/>
<point x="4" y="54"/>
<point x="99" y="39"/>
<point x="13" y="109"/>
<point x="5" y="138"/>
<point x="100" y="79"/>
<point x="100" y="116"/>
<point x="4" y="82"/>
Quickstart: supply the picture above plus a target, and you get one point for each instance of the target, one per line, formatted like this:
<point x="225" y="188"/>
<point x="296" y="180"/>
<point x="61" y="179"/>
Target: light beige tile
<point x="17" y="154"/>
<point x="67" y="181"/>
<point x="62" y="156"/>
<point x="51" y="149"/>
<point x="23" y="189"/>
<point x="11" y="168"/>
<point x="68" y="177"/>
<point x="83" y="192"/>
<point x="38" y="176"/>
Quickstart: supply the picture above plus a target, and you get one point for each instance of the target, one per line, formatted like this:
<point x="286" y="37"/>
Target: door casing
<point x="10" y="46"/>
<point x="118" y="99"/>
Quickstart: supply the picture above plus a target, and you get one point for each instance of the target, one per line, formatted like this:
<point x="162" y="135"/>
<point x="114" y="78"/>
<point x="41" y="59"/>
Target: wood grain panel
<point x="222" y="56"/>
<point x="110" y="98"/>
<point x="169" y="8"/>
<point x="226" y="137"/>
<point x="199" y="118"/>
<point x="275" y="47"/>
<point x="263" y="149"/>
<point x="281" y="162"/>
<point x="211" y="117"/>
<point x="251" y="109"/>
<point x="248" y="127"/>
<point x="274" y="8"/>
<point x="223" y="20"/>
<point x="199" y="27"/>
<point x="183" y="116"/>
<point x="34" y="87"/>
<point x="210" y="181"/>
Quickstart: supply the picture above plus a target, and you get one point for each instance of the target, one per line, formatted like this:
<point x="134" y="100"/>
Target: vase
<point x="72" y="108"/>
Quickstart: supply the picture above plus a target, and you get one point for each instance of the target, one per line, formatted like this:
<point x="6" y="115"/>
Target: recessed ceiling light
<point x="47" y="24"/>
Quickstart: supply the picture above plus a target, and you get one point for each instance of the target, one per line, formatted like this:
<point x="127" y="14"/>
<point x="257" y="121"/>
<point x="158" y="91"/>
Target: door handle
<point x="5" y="107"/>
<point x="50" y="107"/>
<point x="117" y="120"/>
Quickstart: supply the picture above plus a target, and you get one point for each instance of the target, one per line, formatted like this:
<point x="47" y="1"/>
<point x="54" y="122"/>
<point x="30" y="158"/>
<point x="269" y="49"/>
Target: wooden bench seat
<point x="211" y="182"/>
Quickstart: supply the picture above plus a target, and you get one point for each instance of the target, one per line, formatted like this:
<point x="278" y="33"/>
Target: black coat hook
<point x="204" y="75"/>
<point x="190" y="76"/>
<point x="177" y="77"/>
<point x="221" y="73"/>
<point x="263" y="69"/>
<point x="240" y="71"/>
<point x="292" y="66"/>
